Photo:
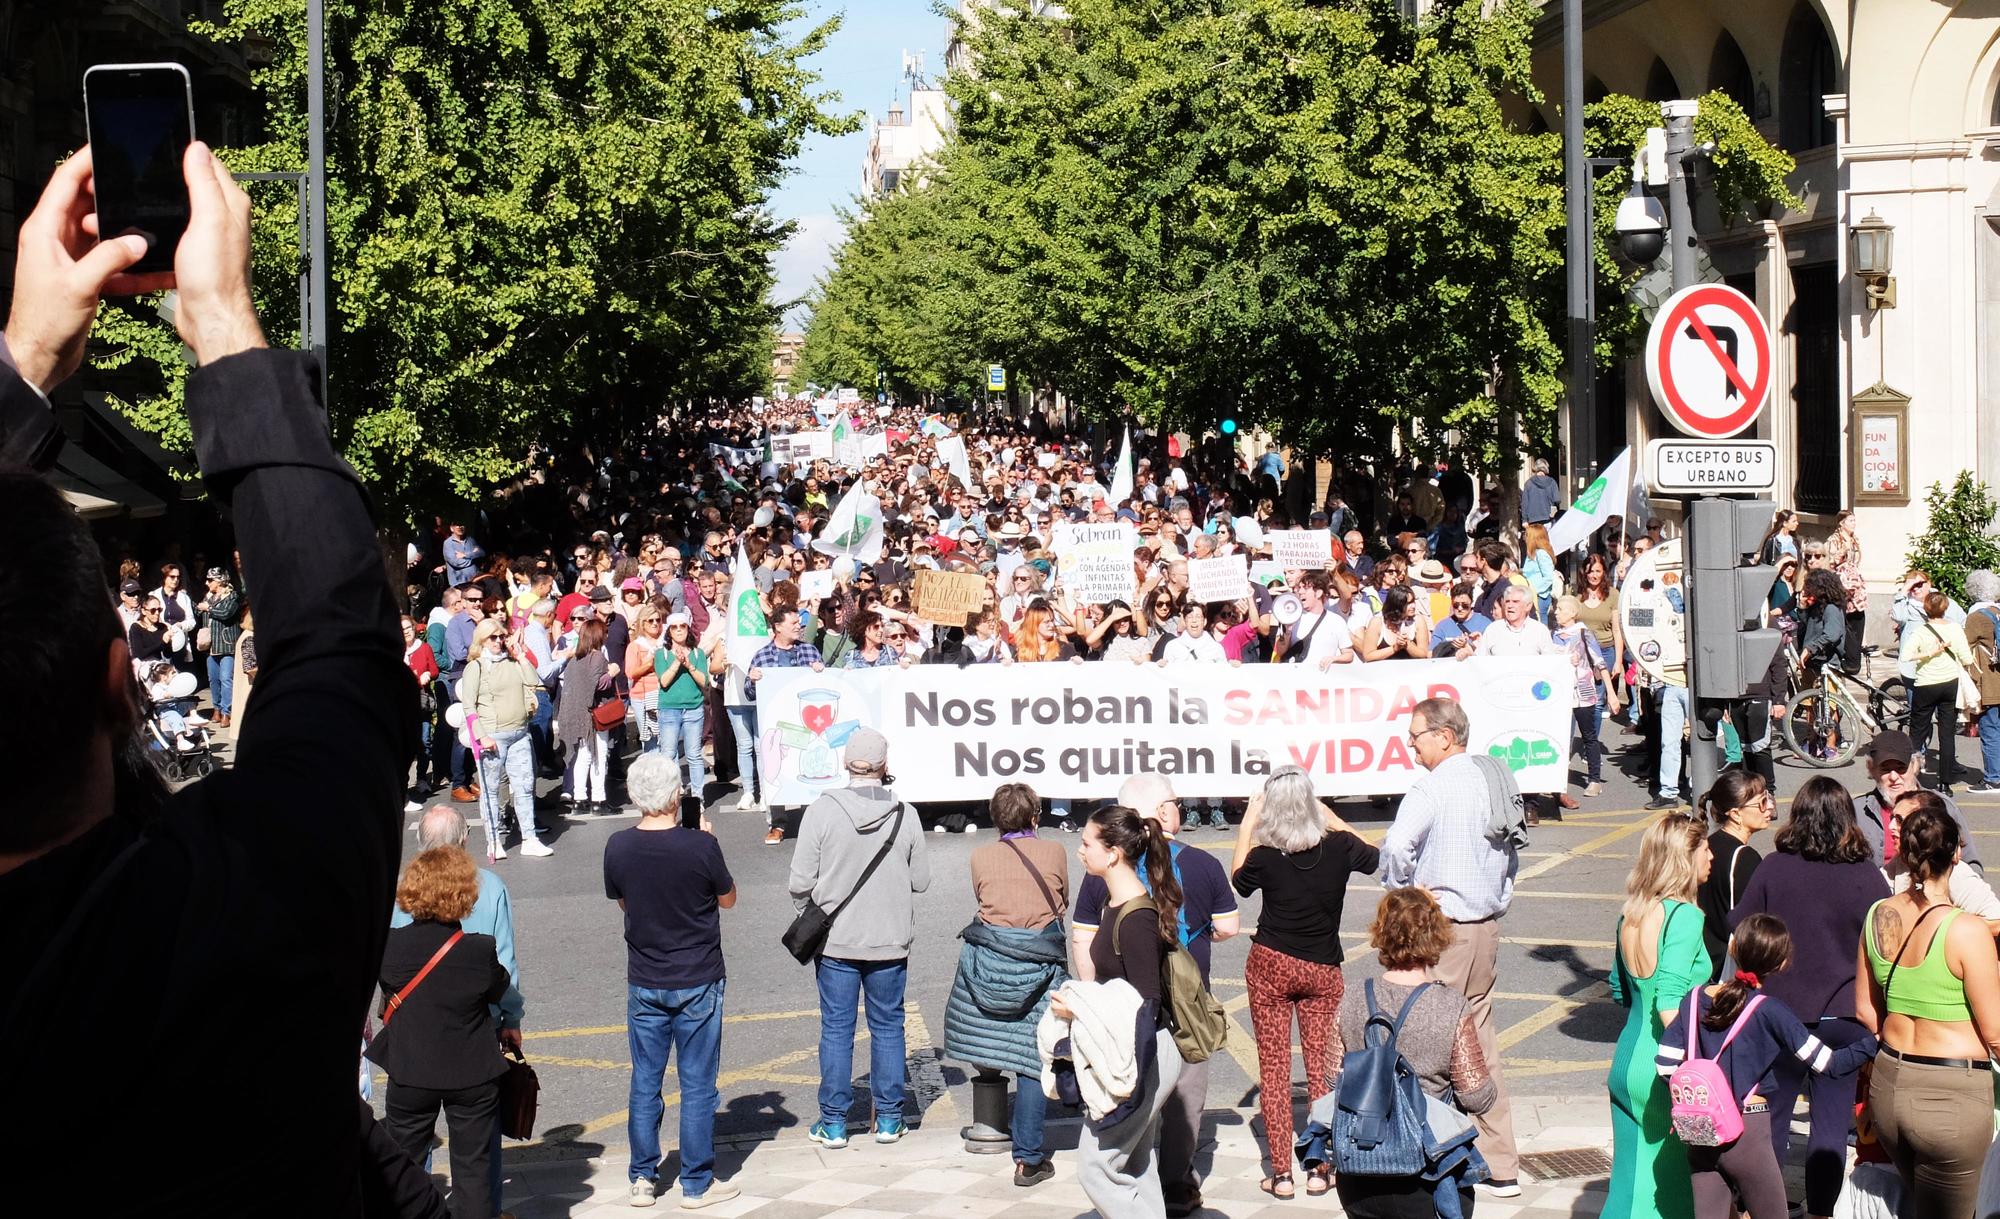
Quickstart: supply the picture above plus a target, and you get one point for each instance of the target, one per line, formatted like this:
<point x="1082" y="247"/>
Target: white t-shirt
<point x="1203" y="647"/>
<point x="1325" y="641"/>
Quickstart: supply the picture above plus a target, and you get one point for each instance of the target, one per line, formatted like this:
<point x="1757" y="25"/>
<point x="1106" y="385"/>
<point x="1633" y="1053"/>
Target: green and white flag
<point x="749" y="629"/>
<point x="1598" y="502"/>
<point x="846" y="442"/>
<point x="855" y="528"/>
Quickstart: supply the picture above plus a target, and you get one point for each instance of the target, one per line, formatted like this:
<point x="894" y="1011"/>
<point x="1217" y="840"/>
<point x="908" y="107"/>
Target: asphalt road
<point x="1557" y="1023"/>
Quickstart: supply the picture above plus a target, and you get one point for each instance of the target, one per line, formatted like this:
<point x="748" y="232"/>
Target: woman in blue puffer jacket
<point x="1013" y="960"/>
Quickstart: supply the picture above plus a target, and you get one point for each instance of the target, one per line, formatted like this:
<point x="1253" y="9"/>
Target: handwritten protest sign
<point x="949" y="598"/>
<point x="815" y="586"/>
<point x="1223" y="579"/>
<point x="1305" y="549"/>
<point x="1095" y="561"/>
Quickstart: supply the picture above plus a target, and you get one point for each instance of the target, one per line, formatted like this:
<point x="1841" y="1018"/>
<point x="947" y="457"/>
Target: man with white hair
<point x="1516" y="633"/>
<point x="1208" y="913"/>
<point x="1982" y="633"/>
<point x="492" y="914"/>
<point x="672" y="884"/>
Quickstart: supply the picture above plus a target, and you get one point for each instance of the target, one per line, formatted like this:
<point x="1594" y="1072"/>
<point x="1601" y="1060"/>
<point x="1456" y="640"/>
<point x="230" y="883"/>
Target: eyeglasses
<point x="1420" y="733"/>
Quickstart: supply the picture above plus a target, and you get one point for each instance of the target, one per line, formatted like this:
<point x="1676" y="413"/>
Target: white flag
<point x="749" y="629"/>
<point x="1598" y="503"/>
<point x="1121" y="478"/>
<point x="951" y="450"/>
<point x="855" y="528"/>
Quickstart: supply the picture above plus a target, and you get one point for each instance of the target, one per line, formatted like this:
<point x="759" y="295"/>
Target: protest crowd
<point x="607" y="622"/>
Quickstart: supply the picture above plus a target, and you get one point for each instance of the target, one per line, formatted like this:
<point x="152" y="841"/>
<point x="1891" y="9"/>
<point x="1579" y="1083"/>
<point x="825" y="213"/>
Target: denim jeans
<point x="221" y="672"/>
<point x="1989" y="743"/>
<point x="1673" y="719"/>
<point x="584" y="776"/>
<point x="842" y="984"/>
<point x="659" y="1024"/>
<point x="680" y="739"/>
<point x="516" y="758"/>
<point x="1031" y="1108"/>
<point x="743" y="722"/>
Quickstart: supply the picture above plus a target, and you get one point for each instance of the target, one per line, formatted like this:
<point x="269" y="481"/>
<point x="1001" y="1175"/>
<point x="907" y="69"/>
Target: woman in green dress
<point x="1660" y="958"/>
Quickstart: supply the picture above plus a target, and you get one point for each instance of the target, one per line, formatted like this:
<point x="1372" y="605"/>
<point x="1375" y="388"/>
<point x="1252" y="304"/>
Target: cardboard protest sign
<point x="948" y="598"/>
<point x="1223" y="579"/>
<point x="1305" y="549"/>
<point x="815" y="585"/>
<point x="1094" y="562"/>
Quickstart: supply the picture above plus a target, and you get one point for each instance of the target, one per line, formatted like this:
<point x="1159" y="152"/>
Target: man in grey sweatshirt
<point x="868" y="946"/>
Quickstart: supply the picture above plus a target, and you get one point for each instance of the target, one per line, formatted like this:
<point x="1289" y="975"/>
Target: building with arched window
<point x="1891" y="107"/>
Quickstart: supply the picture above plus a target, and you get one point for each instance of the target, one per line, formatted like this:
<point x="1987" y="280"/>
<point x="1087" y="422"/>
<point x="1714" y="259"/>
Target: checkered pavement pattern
<point x="930" y="1174"/>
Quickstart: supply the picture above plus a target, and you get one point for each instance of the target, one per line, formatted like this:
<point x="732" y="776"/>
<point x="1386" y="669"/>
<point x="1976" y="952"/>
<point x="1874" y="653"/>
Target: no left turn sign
<point x="1708" y="361"/>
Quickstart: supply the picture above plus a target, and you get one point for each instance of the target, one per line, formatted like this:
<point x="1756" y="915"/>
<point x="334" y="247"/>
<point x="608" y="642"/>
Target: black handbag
<point x="520" y="1095"/>
<point x="805" y="939"/>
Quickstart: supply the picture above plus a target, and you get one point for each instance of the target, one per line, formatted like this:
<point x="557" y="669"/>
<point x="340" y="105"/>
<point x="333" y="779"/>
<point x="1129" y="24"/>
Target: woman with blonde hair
<point x="438" y="1043"/>
<point x="498" y="692"/>
<point x="1660" y="958"/>
<point x="648" y="631"/>
<point x="1039" y="637"/>
<point x="1300" y="856"/>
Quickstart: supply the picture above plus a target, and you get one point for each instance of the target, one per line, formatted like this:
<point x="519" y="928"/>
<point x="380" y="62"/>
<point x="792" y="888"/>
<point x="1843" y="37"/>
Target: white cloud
<point x="804" y="259"/>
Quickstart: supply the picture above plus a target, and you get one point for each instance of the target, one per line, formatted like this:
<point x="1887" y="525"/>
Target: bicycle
<point x="1824" y="723"/>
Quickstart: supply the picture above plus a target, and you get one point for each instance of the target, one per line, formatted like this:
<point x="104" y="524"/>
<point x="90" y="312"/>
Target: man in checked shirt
<point x="1440" y="841"/>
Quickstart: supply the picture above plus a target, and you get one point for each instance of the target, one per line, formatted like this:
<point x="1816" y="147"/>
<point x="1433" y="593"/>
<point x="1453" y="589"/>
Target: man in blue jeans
<point x="867" y="948"/>
<point x="672" y="884"/>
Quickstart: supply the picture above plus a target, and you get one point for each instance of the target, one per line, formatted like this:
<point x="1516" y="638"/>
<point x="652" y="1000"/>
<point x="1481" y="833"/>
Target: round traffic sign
<point x="1708" y="361"/>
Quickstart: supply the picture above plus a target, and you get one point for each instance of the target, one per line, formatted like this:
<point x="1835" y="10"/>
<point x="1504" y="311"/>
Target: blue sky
<point x="863" y="63"/>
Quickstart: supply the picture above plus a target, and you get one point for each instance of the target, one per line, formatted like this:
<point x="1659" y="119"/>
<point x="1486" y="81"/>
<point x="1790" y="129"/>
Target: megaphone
<point x="1286" y="608"/>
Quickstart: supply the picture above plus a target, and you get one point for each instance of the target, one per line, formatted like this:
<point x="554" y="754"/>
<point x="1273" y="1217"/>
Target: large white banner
<point x="1080" y="730"/>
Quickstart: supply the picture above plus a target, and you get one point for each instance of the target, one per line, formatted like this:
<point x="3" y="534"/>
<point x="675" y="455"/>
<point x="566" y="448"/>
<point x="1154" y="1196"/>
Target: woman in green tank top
<point x="1928" y="984"/>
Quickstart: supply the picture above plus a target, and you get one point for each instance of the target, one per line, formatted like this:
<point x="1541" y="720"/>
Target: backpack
<point x="1378" y="1115"/>
<point x="1198" y="1023"/>
<point x="1706" y="1112"/>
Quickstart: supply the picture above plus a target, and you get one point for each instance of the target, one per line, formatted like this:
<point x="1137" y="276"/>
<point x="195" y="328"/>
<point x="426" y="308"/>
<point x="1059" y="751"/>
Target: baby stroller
<point x="175" y="734"/>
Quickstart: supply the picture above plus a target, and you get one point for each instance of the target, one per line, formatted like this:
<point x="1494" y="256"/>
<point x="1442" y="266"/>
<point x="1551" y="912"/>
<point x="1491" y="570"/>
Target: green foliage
<point x="1959" y="535"/>
<point x="536" y="207"/>
<point x="1315" y="217"/>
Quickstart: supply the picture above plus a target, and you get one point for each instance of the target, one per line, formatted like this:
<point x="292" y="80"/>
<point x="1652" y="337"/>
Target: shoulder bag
<point x="805" y="939"/>
<point x="1968" y="689"/>
<point x="395" y="1002"/>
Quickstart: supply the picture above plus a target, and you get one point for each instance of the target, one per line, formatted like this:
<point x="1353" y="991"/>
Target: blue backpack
<point x="1187" y="934"/>
<point x="1378" y="1117"/>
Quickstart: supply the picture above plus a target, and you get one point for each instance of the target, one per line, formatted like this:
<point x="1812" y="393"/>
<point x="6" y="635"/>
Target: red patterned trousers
<point x="1280" y="985"/>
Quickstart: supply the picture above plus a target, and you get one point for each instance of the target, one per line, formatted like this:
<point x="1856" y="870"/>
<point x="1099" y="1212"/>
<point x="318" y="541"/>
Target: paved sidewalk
<point x="930" y="1174"/>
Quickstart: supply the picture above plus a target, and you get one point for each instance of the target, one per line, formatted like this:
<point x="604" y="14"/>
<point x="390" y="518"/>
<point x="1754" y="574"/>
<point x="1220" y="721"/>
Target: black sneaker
<point x="1033" y="1174"/>
<point x="1066" y="825"/>
<point x="1662" y="802"/>
<point x="1982" y="786"/>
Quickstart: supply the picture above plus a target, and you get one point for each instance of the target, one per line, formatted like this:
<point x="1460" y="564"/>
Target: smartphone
<point x="140" y="117"/>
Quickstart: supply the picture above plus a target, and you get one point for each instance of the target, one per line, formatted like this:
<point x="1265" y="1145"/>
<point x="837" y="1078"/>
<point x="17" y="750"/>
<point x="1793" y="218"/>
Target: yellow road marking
<point x="1610" y="836"/>
<point x="602" y="1030"/>
<point x="1524" y="1068"/>
<point x="1520" y="1031"/>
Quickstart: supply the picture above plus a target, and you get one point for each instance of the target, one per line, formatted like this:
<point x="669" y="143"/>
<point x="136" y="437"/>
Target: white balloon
<point x="182" y="685"/>
<point x="455" y="715"/>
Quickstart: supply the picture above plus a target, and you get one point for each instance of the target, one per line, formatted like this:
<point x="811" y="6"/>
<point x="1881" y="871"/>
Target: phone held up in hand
<point x="141" y="120"/>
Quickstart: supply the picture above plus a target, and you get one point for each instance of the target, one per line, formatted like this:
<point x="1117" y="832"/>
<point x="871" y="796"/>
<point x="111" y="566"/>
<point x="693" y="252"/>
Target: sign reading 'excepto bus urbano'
<point x="1708" y="361"/>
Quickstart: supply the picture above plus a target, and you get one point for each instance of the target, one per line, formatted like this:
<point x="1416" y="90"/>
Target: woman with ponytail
<point x="1748" y="1168"/>
<point x="1738" y="806"/>
<point x="1927" y="982"/>
<point x="1118" y="1170"/>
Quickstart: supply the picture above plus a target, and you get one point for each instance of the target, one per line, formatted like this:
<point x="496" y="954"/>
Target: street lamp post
<point x="316" y="282"/>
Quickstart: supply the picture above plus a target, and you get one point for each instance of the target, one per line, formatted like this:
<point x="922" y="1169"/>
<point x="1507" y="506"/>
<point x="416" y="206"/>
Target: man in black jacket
<point x="186" y="975"/>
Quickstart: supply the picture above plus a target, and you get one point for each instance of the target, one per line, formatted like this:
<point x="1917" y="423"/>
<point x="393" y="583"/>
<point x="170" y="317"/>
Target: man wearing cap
<point x="1889" y="761"/>
<point x="461" y="557"/>
<point x="868" y="945"/>
<point x="221" y="612"/>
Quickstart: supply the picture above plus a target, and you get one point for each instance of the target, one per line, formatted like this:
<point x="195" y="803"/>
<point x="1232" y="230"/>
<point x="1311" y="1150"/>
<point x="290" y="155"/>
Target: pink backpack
<point x="1706" y="1112"/>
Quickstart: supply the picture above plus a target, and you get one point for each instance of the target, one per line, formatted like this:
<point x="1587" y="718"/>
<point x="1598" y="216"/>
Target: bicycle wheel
<point x="1823" y="731"/>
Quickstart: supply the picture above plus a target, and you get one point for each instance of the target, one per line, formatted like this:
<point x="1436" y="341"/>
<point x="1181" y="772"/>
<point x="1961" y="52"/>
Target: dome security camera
<point x="1641" y="225"/>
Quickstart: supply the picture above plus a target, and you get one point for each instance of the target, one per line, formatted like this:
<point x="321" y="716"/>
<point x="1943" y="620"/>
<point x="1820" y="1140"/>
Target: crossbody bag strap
<point x="396" y="1000"/>
<point x="1048" y="895"/>
<point x="895" y="831"/>
<point x="1742" y="1019"/>
<point x="1137" y="903"/>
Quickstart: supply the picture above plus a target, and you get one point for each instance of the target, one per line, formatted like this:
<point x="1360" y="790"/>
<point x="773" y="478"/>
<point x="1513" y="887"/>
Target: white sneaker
<point x="413" y="806"/>
<point x="718" y="1191"/>
<point x="749" y="803"/>
<point x="535" y="848"/>
<point x="496" y="852"/>
<point x="642" y="1192"/>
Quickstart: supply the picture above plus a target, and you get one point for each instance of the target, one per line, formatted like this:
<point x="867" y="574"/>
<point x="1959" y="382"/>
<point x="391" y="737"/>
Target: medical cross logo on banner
<point x="1708" y="361"/>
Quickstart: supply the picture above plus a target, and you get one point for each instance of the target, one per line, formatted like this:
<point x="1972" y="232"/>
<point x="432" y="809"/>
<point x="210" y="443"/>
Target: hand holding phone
<point x="141" y="121"/>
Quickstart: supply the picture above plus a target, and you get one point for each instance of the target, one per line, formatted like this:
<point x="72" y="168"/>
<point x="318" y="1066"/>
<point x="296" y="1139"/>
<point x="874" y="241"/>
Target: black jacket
<point x="443" y="1035"/>
<point x="211" y="955"/>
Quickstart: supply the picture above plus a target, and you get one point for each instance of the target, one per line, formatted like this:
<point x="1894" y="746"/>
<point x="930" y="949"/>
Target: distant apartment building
<point x="785" y="361"/>
<point x="904" y="141"/>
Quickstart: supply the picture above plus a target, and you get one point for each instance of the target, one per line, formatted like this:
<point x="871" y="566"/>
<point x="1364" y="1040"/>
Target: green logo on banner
<point x="862" y="524"/>
<point x="750" y="615"/>
<point x="1587" y="502"/>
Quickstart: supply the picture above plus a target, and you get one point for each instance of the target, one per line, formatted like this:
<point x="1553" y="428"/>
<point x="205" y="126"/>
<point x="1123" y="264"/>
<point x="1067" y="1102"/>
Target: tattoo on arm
<point x="1888" y="930"/>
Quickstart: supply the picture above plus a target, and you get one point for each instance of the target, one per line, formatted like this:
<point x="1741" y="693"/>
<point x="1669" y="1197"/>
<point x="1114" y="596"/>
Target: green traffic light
<point x="1228" y="427"/>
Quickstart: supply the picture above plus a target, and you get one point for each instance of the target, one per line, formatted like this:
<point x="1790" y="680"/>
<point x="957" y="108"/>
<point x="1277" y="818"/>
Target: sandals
<point x="1277" y="1182"/>
<point x="1319" y="1179"/>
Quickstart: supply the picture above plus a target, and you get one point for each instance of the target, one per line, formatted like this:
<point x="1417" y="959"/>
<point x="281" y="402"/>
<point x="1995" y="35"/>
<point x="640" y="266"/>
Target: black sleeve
<point x="496" y="979"/>
<point x="1362" y="856"/>
<point x="1250" y="876"/>
<point x="29" y="434"/>
<point x="334" y="700"/>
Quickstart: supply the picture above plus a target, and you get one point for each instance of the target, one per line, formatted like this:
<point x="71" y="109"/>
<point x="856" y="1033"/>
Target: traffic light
<point x="1729" y="588"/>
<point x="1228" y="427"/>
